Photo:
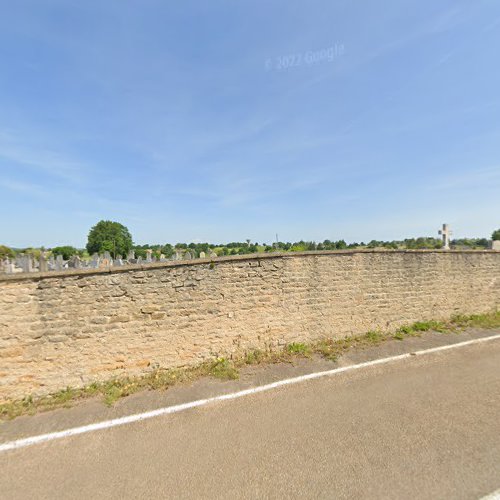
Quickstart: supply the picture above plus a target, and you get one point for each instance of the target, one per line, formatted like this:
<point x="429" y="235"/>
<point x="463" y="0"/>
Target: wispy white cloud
<point x="23" y="187"/>
<point x="487" y="177"/>
<point x="18" y="153"/>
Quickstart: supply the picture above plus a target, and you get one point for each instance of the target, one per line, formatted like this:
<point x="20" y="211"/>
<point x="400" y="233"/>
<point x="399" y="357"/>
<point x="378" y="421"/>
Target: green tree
<point x="66" y="251"/>
<point x="167" y="250"/>
<point x="5" y="251"/>
<point x="109" y="236"/>
<point x="495" y="235"/>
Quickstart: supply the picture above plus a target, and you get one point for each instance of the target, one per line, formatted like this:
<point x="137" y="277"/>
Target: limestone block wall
<point x="71" y="328"/>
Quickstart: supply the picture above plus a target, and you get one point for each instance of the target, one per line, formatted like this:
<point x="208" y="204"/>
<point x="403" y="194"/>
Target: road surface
<point x="423" y="427"/>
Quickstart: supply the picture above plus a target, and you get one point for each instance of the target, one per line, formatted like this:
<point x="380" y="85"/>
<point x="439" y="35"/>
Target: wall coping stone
<point x="36" y="276"/>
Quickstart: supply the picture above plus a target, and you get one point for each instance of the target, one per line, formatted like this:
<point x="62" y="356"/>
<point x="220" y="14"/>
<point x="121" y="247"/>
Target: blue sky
<point x="176" y="119"/>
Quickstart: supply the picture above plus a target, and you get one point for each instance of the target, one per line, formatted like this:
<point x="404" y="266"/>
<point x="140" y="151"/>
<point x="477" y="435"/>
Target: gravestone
<point x="25" y="263"/>
<point x="118" y="261"/>
<point x="139" y="260"/>
<point x="213" y="255"/>
<point x="43" y="267"/>
<point x="74" y="262"/>
<point x="202" y="255"/>
<point x="59" y="263"/>
<point x="52" y="263"/>
<point x="107" y="256"/>
<point x="105" y="263"/>
<point x="131" y="255"/>
<point x="188" y="256"/>
<point x="445" y="233"/>
<point x="20" y="262"/>
<point x="8" y="266"/>
<point x="94" y="263"/>
<point x="149" y="254"/>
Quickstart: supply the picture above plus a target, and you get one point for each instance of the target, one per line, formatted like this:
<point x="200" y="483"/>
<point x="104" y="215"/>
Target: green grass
<point x="419" y="327"/>
<point x="477" y="320"/>
<point x="374" y="336"/>
<point x="228" y="369"/>
<point x="255" y="357"/>
<point x="223" y="369"/>
<point x="300" y="349"/>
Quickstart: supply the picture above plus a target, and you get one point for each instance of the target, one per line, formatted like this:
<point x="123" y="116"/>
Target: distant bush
<point x="470" y="242"/>
<point x="66" y="251"/>
<point x="5" y="252"/>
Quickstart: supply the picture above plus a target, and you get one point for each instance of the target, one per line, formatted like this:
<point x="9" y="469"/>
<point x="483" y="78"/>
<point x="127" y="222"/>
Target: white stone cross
<point x="446" y="233"/>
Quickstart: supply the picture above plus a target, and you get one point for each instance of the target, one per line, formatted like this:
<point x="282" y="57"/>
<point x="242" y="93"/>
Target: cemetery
<point x="28" y="264"/>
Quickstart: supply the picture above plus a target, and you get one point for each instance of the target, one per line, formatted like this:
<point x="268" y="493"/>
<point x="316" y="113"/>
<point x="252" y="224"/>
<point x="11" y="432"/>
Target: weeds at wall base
<point x="228" y="369"/>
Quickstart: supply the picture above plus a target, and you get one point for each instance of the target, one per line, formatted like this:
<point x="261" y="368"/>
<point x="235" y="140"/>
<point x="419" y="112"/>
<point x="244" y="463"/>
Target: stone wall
<point x="68" y="329"/>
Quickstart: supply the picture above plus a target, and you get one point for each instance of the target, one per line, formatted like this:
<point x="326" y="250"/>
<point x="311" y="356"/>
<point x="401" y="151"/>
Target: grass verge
<point x="228" y="369"/>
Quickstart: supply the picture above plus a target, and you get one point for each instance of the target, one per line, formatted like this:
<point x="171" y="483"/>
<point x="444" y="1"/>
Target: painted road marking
<point x="42" y="438"/>
<point x="492" y="496"/>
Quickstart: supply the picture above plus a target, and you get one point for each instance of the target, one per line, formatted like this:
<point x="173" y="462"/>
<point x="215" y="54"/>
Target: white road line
<point x="21" y="443"/>
<point x="492" y="496"/>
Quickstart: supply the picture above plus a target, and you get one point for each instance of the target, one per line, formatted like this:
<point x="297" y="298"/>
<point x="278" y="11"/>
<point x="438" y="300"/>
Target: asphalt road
<point x="425" y="427"/>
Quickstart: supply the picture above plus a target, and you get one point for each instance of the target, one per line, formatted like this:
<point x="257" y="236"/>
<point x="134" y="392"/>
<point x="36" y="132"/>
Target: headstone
<point x="94" y="263"/>
<point x="74" y="262"/>
<point x="495" y="245"/>
<point x="202" y="255"/>
<point x="131" y="255"/>
<point x="105" y="263"/>
<point x="162" y="258"/>
<point x="25" y="263"/>
<point x="188" y="256"/>
<point x="8" y="266"/>
<point x="118" y="261"/>
<point x="213" y="255"/>
<point x="17" y="265"/>
<point x="107" y="256"/>
<point x="177" y="255"/>
<point x="149" y="254"/>
<point x="52" y="263"/>
<point x="139" y="260"/>
<point x="445" y="233"/>
<point x="59" y="263"/>
<point x="43" y="267"/>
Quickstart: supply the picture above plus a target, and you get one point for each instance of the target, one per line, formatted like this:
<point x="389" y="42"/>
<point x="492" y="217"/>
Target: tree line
<point x="116" y="239"/>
